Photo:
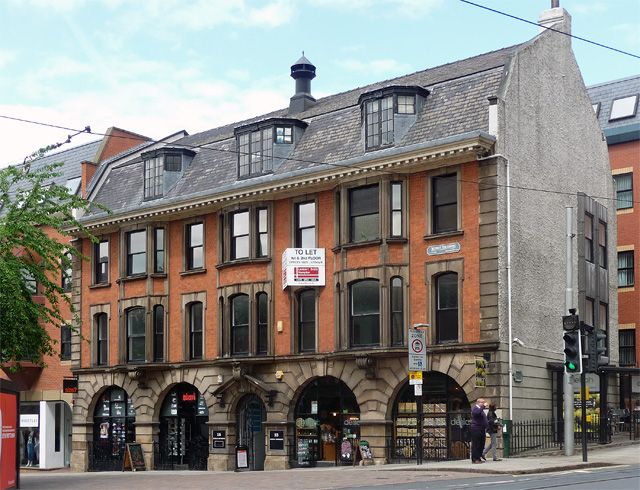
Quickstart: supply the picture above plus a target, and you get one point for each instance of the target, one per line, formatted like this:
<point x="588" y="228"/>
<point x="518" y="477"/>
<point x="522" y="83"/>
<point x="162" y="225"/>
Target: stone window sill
<point x="101" y="285"/>
<point x="193" y="272"/>
<point x="231" y="263"/>
<point x="444" y="235"/>
<point x="131" y="278"/>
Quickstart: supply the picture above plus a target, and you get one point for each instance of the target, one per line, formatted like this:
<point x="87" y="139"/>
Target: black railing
<point x="193" y="456"/>
<point x="105" y="455"/>
<point x="537" y="435"/>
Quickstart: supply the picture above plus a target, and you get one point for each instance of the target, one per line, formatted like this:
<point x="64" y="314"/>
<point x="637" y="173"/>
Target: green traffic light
<point x="571" y="366"/>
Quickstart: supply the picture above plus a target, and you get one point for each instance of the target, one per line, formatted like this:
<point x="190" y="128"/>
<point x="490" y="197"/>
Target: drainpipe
<point x="509" y="323"/>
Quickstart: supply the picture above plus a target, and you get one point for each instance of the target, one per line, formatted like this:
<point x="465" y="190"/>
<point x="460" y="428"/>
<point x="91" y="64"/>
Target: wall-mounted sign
<point x="303" y="267"/>
<point x="219" y="439"/>
<point x="417" y="350"/>
<point x="447" y="248"/>
<point x="188" y="397"/>
<point x="28" y="420"/>
<point x="276" y="440"/>
<point x="70" y="385"/>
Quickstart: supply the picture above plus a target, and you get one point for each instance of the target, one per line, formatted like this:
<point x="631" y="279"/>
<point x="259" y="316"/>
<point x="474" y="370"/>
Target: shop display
<point x="307" y="438"/>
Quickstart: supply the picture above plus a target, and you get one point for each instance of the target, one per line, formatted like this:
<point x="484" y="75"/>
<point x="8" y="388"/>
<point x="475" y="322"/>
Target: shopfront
<point x="45" y="434"/>
<point x="327" y="423"/>
<point x="183" y="443"/>
<point x="113" y="426"/>
<point x="445" y="416"/>
<point x="250" y="426"/>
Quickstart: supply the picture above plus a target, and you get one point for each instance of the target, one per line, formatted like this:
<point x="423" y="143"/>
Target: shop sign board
<point x="70" y="385"/>
<point x="276" y="440"/>
<point x="447" y="248"/>
<point x="219" y="439"/>
<point x="29" y="420"/>
<point x="303" y="267"/>
<point x="415" y="378"/>
<point x="417" y="350"/>
<point x="8" y="439"/>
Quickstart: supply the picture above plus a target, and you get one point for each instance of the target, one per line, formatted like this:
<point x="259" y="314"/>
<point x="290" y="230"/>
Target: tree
<point x="35" y="216"/>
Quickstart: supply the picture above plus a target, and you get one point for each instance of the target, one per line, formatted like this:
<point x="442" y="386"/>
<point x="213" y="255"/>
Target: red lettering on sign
<point x="188" y="397"/>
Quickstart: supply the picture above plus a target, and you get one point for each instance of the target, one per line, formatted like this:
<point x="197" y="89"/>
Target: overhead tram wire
<point x="202" y="146"/>
<point x="605" y="46"/>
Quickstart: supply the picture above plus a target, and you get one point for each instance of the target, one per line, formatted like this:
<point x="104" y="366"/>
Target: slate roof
<point x="457" y="104"/>
<point x="606" y="93"/>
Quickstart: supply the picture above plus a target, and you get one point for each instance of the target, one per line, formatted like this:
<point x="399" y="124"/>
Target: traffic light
<point x="597" y="348"/>
<point x="572" y="352"/>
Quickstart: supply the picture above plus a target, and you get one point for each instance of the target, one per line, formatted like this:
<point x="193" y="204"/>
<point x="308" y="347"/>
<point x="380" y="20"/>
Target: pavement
<point x="334" y="477"/>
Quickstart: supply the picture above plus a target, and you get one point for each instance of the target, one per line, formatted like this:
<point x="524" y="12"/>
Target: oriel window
<point x="365" y="313"/>
<point x="364" y="215"/>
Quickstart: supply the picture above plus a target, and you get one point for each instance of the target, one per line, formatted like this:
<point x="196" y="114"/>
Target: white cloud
<point x="377" y="67"/>
<point x="6" y="57"/>
<point x="587" y="8"/>
<point x="409" y="8"/>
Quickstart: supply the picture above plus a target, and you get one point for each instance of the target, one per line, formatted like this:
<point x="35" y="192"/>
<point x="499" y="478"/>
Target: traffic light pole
<point x="583" y="410"/>
<point x="568" y="299"/>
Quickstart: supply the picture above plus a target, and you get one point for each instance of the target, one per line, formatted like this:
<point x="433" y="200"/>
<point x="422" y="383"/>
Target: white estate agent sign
<point x="303" y="267"/>
<point x="417" y="350"/>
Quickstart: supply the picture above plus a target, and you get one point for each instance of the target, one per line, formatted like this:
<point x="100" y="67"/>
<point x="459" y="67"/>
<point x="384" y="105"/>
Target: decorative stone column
<point x="374" y="431"/>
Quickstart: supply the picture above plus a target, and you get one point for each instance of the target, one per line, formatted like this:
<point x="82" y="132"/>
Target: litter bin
<point x="506" y="438"/>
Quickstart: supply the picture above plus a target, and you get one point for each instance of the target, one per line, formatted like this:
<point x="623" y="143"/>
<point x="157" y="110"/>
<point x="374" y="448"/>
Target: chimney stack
<point x="556" y="17"/>
<point x="302" y="71"/>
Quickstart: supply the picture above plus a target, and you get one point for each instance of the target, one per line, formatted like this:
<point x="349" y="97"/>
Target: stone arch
<point x="163" y="386"/>
<point x="462" y="368"/>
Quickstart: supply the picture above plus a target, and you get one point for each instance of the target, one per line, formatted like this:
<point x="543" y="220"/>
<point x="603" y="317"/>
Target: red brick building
<point x="253" y="290"/>
<point x="616" y="107"/>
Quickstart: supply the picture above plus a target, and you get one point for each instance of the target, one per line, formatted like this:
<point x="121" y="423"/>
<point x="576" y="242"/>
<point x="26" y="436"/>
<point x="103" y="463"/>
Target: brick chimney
<point x="87" y="170"/>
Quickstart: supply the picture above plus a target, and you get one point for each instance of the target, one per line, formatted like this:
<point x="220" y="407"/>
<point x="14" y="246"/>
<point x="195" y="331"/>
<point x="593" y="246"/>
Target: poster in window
<point x="104" y="430"/>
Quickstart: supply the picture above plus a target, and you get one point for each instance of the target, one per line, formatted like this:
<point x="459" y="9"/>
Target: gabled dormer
<point x="262" y="146"/>
<point x="388" y="113"/>
<point x="163" y="168"/>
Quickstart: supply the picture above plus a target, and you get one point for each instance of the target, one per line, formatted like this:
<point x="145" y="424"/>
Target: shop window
<point x="305" y="223"/>
<point x="158" y="333"/>
<point x="364" y="214"/>
<point x="65" y="342"/>
<point x="627" y="346"/>
<point x="195" y="330"/>
<point x="397" y="312"/>
<point x="602" y="244"/>
<point x="102" y="340"/>
<point x="240" y="324"/>
<point x="101" y="262"/>
<point x="444" y="192"/>
<point x="158" y="250"/>
<point x="624" y="190"/>
<point x="307" y="320"/>
<point x="136" y="342"/>
<point x="365" y="313"/>
<point x="136" y="252"/>
<point x="396" y="209"/>
<point x="588" y="237"/>
<point x="194" y="246"/>
<point x="113" y="427"/>
<point x="447" y="308"/>
<point x="625" y="269"/>
<point x="67" y="272"/>
<point x="262" y="316"/>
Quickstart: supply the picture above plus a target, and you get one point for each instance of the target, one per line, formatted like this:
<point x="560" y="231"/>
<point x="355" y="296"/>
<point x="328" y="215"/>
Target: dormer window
<point x="163" y="168"/>
<point x="173" y="163"/>
<point x="263" y="145"/>
<point x="153" y="181"/>
<point x="388" y="113"/>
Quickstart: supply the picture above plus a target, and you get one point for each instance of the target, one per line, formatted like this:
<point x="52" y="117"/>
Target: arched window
<point x="135" y="335"/>
<point x="113" y="426"/>
<point x="194" y="312"/>
<point x="262" y="306"/>
<point x="101" y="337"/>
<point x="240" y="324"/>
<point x="397" y="311"/>
<point x="447" y="308"/>
<point x="158" y="333"/>
<point x="307" y="321"/>
<point x="365" y="313"/>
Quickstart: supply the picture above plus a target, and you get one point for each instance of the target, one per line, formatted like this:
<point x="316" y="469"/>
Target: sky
<point x="159" y="66"/>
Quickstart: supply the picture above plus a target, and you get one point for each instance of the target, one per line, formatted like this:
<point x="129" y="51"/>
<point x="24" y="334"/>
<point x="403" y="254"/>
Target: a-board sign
<point x="242" y="457"/>
<point x="133" y="458"/>
<point x="276" y="440"/>
<point x="364" y="452"/>
<point x="219" y="439"/>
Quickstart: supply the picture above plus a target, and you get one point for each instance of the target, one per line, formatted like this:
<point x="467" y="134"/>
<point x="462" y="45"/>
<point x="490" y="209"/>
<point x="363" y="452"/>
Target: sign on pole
<point x="417" y="350"/>
<point x="415" y="378"/>
<point x="417" y="390"/>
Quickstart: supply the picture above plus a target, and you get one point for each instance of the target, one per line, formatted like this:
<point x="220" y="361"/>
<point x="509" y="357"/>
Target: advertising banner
<point x="8" y="423"/>
<point x="303" y="267"/>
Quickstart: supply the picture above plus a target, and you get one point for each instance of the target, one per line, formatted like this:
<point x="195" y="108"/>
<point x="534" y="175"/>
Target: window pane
<point x="195" y="234"/>
<point x="364" y="228"/>
<point x="447" y="308"/>
<point x="240" y="324"/>
<point x="445" y="189"/>
<point x="306" y="321"/>
<point x="365" y="295"/>
<point x="445" y="207"/>
<point x="240" y="310"/>
<point x="366" y="330"/>
<point x="262" y="323"/>
<point x="138" y="264"/>
<point x="365" y="313"/>
<point x="135" y="320"/>
<point x="197" y="258"/>
<point x="307" y="238"/>
<point x="158" y="330"/>
<point x="262" y="308"/>
<point x="137" y="349"/>
<point x="196" y="345"/>
<point x="137" y="241"/>
<point x="240" y="340"/>
<point x="363" y="200"/>
<point x="241" y="223"/>
<point x="241" y="248"/>
<point x="625" y="107"/>
<point x="196" y="317"/>
<point x="307" y="214"/>
<point x="624" y="190"/>
<point x="448" y="291"/>
<point x="447" y="325"/>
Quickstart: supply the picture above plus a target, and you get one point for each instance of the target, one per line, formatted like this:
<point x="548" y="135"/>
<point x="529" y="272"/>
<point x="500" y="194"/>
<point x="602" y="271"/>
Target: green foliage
<point x="32" y="212"/>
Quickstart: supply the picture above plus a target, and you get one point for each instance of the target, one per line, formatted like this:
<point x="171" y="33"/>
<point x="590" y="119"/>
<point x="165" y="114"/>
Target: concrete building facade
<point x="408" y="203"/>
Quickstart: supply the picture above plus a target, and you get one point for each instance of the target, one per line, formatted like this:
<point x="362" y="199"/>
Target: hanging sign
<point x="303" y="267"/>
<point x="415" y="378"/>
<point x="70" y="385"/>
<point x="417" y="350"/>
<point x="448" y="248"/>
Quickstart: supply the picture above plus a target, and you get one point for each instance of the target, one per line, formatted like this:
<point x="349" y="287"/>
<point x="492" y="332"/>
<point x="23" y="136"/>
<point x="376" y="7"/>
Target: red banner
<point x="9" y="423"/>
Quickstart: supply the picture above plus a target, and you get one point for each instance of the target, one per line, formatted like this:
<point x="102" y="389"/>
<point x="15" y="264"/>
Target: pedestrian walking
<point x="493" y="427"/>
<point x="478" y="430"/>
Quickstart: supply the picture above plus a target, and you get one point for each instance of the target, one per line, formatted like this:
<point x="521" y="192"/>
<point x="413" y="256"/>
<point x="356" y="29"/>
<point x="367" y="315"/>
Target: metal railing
<point x="194" y="456"/>
<point x="105" y="455"/>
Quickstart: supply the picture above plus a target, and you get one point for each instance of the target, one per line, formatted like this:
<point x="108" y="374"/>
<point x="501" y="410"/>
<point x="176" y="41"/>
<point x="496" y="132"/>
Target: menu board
<point x="133" y="458"/>
<point x="304" y="451"/>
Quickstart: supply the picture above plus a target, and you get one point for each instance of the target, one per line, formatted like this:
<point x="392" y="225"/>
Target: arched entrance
<point x="184" y="441"/>
<point x="113" y="426"/>
<point x="327" y="419"/>
<point x="250" y="419"/>
<point x="445" y="416"/>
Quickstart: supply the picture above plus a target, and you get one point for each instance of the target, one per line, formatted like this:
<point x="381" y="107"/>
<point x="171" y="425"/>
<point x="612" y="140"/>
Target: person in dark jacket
<point x="492" y="429"/>
<point x="478" y="430"/>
